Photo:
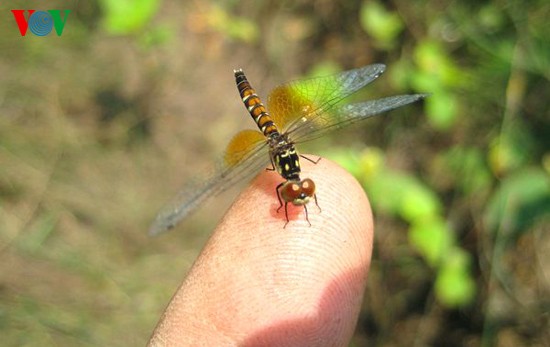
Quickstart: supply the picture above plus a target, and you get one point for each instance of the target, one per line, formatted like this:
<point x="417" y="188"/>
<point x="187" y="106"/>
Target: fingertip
<point x="257" y="281"/>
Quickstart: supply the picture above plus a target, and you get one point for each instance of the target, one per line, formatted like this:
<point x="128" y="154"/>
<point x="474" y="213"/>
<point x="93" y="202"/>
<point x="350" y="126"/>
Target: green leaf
<point x="402" y="194"/>
<point x="433" y="61"/>
<point x="364" y="165"/>
<point x="454" y="285"/>
<point x="381" y="24"/>
<point x="441" y="109"/>
<point x="122" y="17"/>
<point x="418" y="201"/>
<point x="432" y="238"/>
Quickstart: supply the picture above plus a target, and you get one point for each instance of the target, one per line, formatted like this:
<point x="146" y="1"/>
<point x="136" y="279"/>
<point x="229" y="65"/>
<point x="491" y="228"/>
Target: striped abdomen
<point x="253" y="104"/>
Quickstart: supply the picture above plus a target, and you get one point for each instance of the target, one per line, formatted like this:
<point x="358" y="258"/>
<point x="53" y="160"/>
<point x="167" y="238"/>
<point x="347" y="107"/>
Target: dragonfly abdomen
<point x="254" y="105"/>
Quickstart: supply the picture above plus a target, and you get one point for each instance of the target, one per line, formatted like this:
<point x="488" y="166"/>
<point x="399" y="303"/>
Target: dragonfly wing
<point x="245" y="156"/>
<point x="319" y="123"/>
<point x="291" y="101"/>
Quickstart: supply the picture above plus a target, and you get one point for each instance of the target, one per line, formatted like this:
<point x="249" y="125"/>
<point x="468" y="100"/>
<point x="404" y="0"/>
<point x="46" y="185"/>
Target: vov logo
<point x="40" y="23"/>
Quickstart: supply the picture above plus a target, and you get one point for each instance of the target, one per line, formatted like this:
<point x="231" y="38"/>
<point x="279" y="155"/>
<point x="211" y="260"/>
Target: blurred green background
<point x="103" y="124"/>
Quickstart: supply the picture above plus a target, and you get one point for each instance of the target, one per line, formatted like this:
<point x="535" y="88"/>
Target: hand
<point x="257" y="284"/>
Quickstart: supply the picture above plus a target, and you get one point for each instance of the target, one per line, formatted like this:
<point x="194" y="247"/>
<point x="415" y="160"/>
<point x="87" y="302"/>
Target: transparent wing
<point x="290" y="102"/>
<point x="245" y="155"/>
<point x="317" y="124"/>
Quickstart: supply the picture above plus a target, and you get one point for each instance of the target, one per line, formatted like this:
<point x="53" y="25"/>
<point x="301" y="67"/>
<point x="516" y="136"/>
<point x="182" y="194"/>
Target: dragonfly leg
<point x="286" y="214"/>
<point x="272" y="168"/>
<point x="316" y="203"/>
<point x="307" y="216"/>
<point x="311" y="160"/>
<point x="279" y="197"/>
<point x="281" y="203"/>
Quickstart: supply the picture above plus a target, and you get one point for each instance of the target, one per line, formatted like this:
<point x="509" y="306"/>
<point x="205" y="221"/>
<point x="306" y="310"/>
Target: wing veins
<point x="351" y="113"/>
<point x="190" y="197"/>
<point x="324" y="92"/>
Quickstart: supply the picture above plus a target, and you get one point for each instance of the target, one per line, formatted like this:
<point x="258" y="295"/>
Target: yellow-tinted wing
<point x="245" y="155"/>
<point x="316" y="124"/>
<point x="290" y="102"/>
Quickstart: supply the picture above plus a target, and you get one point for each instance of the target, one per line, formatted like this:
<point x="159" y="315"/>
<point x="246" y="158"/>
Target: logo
<point x="41" y="23"/>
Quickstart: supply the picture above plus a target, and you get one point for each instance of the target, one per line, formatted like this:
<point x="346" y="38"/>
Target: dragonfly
<point x="296" y="112"/>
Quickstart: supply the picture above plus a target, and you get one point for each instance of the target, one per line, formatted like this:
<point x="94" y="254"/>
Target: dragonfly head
<point x="298" y="192"/>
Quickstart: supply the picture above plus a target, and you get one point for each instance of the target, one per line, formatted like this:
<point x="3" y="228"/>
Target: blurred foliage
<point x="127" y="17"/>
<point x="220" y="18"/>
<point x="382" y="25"/>
<point x="405" y="196"/>
<point x="437" y="73"/>
<point x="238" y="28"/>
<point x="521" y="200"/>
<point x="98" y="126"/>
<point x="135" y="18"/>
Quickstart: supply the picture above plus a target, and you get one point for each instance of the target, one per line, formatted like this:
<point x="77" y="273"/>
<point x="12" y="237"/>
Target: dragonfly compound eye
<point x="308" y="187"/>
<point x="291" y="191"/>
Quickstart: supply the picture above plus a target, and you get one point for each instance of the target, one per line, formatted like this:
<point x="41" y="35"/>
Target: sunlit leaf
<point x="441" y="109"/>
<point x="435" y="62"/>
<point x="402" y="195"/>
<point x="454" y="284"/>
<point x="381" y="24"/>
<point x="123" y="17"/>
<point x="418" y="201"/>
<point x="364" y="165"/>
<point x="432" y="238"/>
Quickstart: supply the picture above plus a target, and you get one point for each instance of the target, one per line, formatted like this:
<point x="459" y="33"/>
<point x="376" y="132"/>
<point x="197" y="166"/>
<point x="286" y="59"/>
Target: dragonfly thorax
<point x="285" y="159"/>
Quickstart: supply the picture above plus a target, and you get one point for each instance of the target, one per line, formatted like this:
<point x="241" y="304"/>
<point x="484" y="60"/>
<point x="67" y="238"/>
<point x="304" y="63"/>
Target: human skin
<point x="256" y="283"/>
